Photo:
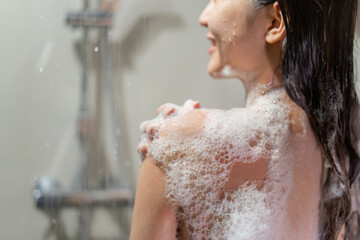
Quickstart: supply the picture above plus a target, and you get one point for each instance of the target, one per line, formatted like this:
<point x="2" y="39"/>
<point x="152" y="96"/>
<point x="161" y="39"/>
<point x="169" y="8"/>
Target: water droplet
<point x="230" y="40"/>
<point x="274" y="101"/>
<point x="41" y="69"/>
<point x="234" y="34"/>
<point x="36" y="193"/>
<point x="96" y="49"/>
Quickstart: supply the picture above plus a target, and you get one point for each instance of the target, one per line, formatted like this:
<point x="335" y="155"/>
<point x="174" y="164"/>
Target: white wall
<point x="39" y="108"/>
<point x="36" y="107"/>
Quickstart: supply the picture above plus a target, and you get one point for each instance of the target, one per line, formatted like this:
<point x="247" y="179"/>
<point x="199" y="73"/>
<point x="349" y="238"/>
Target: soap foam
<point x="197" y="170"/>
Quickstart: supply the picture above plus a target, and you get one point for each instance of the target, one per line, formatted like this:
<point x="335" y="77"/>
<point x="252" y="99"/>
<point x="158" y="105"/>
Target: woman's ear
<point x="276" y="30"/>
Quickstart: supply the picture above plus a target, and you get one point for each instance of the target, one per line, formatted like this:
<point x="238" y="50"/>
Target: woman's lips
<point x="212" y="49"/>
<point x="211" y="38"/>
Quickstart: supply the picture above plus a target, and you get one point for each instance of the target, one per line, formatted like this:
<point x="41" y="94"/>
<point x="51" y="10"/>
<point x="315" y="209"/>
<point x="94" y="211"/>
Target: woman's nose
<point x="204" y="16"/>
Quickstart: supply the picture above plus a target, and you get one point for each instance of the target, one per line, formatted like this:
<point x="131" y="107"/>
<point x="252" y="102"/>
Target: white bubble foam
<point x="199" y="170"/>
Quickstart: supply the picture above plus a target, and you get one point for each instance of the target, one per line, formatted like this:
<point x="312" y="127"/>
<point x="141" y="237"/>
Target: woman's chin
<point x="215" y="70"/>
<point x="220" y="72"/>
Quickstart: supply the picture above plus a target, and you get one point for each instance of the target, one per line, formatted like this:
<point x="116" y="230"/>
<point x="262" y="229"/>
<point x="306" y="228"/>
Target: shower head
<point x="132" y="11"/>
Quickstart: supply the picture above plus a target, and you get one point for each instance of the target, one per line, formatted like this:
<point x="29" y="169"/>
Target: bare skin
<point x="153" y="217"/>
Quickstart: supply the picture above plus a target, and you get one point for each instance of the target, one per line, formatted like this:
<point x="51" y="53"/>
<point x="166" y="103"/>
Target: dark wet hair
<point x="318" y="75"/>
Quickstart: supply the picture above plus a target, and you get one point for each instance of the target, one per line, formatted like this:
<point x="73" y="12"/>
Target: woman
<point x="281" y="168"/>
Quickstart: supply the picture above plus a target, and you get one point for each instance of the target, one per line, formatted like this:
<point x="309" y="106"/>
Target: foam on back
<point x="197" y="171"/>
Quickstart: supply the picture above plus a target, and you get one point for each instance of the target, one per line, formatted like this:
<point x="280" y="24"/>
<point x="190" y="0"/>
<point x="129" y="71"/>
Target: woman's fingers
<point x="149" y="132"/>
<point x="190" y="104"/>
<point x="150" y="129"/>
<point x="172" y="109"/>
<point x="167" y="109"/>
<point x="143" y="149"/>
<point x="144" y="125"/>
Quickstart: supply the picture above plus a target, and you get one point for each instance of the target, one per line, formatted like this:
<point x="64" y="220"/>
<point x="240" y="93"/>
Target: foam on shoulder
<point x="197" y="172"/>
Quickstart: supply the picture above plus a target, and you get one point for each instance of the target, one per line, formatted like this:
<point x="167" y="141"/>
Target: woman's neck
<point x="260" y="84"/>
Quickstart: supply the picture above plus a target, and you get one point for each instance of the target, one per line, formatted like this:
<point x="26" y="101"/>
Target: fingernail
<point x="144" y="150"/>
<point x="171" y="111"/>
<point x="197" y="104"/>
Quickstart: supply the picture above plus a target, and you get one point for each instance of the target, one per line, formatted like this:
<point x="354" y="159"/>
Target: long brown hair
<point x="318" y="75"/>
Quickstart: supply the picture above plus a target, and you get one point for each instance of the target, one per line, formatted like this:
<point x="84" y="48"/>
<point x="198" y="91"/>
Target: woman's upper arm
<point x="153" y="218"/>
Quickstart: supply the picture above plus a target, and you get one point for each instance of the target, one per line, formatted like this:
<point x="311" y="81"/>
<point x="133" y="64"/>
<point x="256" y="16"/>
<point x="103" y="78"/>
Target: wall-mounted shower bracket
<point x="90" y="19"/>
<point x="91" y="187"/>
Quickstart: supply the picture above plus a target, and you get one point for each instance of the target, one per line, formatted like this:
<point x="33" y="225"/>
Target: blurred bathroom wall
<point x="40" y="85"/>
<point x="39" y="90"/>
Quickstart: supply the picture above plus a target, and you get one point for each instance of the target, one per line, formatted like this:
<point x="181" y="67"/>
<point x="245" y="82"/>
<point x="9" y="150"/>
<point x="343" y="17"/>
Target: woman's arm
<point x="153" y="218"/>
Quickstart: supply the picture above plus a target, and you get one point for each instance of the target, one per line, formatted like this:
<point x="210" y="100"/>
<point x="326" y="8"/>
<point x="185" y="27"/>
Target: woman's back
<point x="243" y="173"/>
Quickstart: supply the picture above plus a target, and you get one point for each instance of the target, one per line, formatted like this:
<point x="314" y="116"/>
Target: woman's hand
<point x="169" y="115"/>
